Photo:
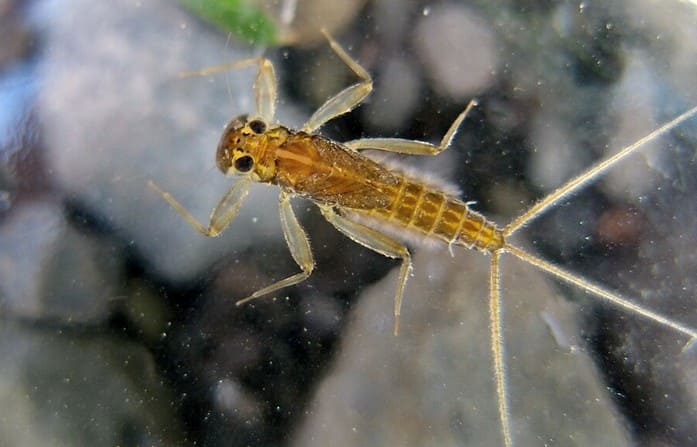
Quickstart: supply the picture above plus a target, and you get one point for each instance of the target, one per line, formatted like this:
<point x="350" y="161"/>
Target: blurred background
<point x="117" y="319"/>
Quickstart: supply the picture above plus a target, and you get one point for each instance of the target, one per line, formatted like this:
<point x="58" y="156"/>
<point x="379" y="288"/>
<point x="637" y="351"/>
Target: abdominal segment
<point x="417" y="208"/>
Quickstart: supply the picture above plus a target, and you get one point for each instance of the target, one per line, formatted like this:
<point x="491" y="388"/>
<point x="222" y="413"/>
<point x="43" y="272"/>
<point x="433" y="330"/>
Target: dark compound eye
<point x="257" y="126"/>
<point x="244" y="163"/>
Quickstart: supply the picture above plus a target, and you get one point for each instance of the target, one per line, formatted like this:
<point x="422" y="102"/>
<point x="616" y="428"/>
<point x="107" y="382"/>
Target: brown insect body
<point x="329" y="173"/>
<point x="348" y="186"/>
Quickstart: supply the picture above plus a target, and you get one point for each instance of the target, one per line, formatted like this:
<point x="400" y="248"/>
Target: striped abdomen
<point x="432" y="213"/>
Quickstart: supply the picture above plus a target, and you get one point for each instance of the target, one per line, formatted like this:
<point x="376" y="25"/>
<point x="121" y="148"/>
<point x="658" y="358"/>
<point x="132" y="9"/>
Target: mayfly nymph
<point x="348" y="186"/>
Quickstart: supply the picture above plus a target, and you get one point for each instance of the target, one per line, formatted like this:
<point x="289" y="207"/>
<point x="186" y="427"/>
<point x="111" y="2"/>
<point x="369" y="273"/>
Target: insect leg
<point x="380" y="243"/>
<point x="265" y="85"/>
<point x="412" y="147"/>
<point x="222" y="214"/>
<point x="345" y="100"/>
<point x="265" y="88"/>
<point x="299" y="248"/>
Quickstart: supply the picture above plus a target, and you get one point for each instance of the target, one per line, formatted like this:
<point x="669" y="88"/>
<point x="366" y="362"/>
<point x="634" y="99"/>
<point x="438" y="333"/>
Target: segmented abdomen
<point x="419" y="208"/>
